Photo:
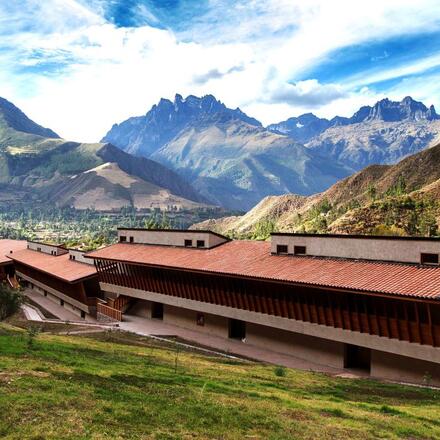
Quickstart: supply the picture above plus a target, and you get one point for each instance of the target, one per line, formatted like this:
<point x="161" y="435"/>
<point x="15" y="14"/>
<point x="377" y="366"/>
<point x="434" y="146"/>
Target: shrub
<point x="10" y="301"/>
<point x="280" y="371"/>
<point x="32" y="333"/>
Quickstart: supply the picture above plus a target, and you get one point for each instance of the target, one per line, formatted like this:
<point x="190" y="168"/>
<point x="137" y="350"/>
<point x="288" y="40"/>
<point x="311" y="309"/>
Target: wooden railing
<point x="110" y="312"/>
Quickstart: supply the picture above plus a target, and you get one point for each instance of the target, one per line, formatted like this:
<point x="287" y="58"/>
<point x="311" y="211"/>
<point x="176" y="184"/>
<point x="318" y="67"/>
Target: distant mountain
<point x="301" y="128"/>
<point x="36" y="165"/>
<point x="400" y="199"/>
<point x="228" y="156"/>
<point x="383" y="133"/>
<point x="143" y="135"/>
<point x="108" y="187"/>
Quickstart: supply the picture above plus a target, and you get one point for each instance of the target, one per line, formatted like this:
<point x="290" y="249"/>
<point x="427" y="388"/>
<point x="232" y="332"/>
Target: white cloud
<point x="247" y="55"/>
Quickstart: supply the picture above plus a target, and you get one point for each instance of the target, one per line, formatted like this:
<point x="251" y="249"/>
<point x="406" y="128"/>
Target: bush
<point x="10" y="301"/>
<point x="280" y="371"/>
<point x="32" y="333"/>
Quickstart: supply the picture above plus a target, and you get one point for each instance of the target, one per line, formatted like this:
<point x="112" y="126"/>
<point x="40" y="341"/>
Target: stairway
<point x="13" y="282"/>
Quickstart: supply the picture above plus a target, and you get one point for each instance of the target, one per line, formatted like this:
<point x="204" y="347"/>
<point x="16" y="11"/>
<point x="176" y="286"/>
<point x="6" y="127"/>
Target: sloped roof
<point x="253" y="259"/>
<point x="58" y="266"/>
<point x="7" y="246"/>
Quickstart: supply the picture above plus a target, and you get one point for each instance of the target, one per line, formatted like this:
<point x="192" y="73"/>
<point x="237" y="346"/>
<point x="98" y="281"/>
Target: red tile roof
<point x="6" y="246"/>
<point x="253" y="259"/>
<point x="58" y="266"/>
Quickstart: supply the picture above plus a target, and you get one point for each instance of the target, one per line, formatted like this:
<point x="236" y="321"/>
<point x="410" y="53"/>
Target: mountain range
<point x="400" y="199"/>
<point x="36" y="165"/>
<point x="234" y="161"/>
<point x="196" y="152"/>
<point x="229" y="158"/>
<point x="383" y="133"/>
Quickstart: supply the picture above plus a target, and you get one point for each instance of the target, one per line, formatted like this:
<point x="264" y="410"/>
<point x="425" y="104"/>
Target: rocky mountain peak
<point x="145" y="134"/>
<point x="407" y="109"/>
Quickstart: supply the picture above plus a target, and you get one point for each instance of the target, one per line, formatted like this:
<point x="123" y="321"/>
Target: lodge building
<point x="369" y="303"/>
<point x="61" y="275"/>
<point x="7" y="269"/>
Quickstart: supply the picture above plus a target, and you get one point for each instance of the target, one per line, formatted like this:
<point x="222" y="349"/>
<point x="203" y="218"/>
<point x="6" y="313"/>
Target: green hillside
<point x="400" y="199"/>
<point x="114" y="386"/>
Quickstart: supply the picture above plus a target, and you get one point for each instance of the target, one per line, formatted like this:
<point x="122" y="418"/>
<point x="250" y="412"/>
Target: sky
<point x="79" y="66"/>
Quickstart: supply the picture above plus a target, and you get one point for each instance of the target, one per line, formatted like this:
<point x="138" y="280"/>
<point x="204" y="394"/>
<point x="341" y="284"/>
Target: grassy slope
<point x="77" y="387"/>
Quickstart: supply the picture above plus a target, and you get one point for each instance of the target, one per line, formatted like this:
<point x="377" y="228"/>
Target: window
<point x="122" y="238"/>
<point x="131" y="239"/>
<point x="200" y="319"/>
<point x="299" y="250"/>
<point x="83" y="314"/>
<point x="61" y="302"/>
<point x="38" y="249"/>
<point x="429" y="258"/>
<point x="72" y="257"/>
<point x="282" y="249"/>
<point x="188" y="243"/>
<point x="200" y="243"/>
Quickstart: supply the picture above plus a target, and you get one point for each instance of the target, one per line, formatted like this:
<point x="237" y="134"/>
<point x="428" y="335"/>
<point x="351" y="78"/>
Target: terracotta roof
<point x="58" y="266"/>
<point x="6" y="246"/>
<point x="253" y="259"/>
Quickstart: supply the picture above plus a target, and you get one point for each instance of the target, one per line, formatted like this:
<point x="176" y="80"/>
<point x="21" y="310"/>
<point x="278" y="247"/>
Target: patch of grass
<point x="78" y="387"/>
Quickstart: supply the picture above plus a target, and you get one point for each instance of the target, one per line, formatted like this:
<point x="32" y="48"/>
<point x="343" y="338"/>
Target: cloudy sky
<point x="78" y="66"/>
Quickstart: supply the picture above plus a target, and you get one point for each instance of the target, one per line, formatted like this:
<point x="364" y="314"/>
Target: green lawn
<point x="76" y="387"/>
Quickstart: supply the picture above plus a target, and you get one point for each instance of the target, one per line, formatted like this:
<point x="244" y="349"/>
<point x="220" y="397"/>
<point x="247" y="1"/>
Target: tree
<point x="10" y="301"/>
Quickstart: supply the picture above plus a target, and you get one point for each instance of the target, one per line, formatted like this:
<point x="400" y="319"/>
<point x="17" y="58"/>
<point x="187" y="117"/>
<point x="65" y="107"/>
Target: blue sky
<point x="78" y="66"/>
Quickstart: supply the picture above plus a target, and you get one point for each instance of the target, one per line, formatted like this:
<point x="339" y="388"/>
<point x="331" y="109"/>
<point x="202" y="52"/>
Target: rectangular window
<point x="83" y="314"/>
<point x="429" y="258"/>
<point x="61" y="302"/>
<point x="122" y="238"/>
<point x="282" y="249"/>
<point x="299" y="250"/>
<point x="188" y="243"/>
<point x="200" y="243"/>
<point x="131" y="239"/>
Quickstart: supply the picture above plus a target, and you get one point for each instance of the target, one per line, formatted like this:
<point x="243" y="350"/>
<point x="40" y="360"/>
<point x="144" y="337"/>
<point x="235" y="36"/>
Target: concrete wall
<point x="170" y="237"/>
<point x="79" y="256"/>
<point x="413" y="350"/>
<point x="46" y="248"/>
<point x="42" y="287"/>
<point x="404" y="369"/>
<point x="215" y="325"/>
<point x="317" y="350"/>
<point x="141" y="308"/>
<point x="406" y="251"/>
<point x="56" y="300"/>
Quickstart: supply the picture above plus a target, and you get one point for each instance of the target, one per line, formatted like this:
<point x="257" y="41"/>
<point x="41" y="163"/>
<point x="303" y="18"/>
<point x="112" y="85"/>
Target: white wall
<point x="170" y="237"/>
<point x="46" y="248"/>
<point x="405" y="251"/>
<point x="79" y="256"/>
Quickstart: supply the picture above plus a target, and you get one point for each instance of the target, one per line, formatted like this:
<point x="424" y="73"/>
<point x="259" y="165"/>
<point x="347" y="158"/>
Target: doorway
<point x="237" y="329"/>
<point x="157" y="310"/>
<point x="357" y="357"/>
